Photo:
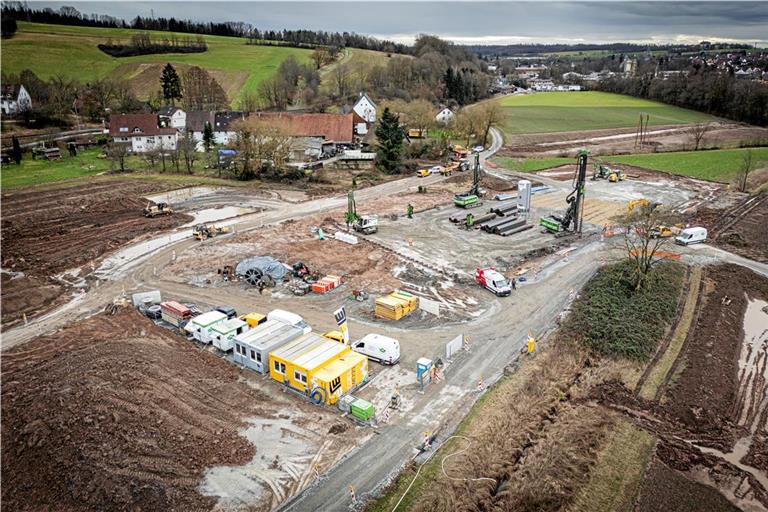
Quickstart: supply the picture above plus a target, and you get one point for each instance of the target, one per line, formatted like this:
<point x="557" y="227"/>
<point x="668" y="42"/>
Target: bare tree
<point x="643" y="237"/>
<point x="117" y="153"/>
<point x="319" y="57"/>
<point x="490" y="115"/>
<point x="696" y="133"/>
<point x="261" y="146"/>
<point x="249" y="101"/>
<point x="187" y="148"/>
<point x="341" y="78"/>
<point x="747" y="166"/>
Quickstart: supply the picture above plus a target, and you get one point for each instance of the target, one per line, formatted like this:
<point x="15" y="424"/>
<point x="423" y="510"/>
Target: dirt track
<point x="46" y="233"/>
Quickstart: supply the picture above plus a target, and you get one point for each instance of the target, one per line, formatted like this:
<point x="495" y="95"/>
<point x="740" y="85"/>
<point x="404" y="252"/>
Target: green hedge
<point x="613" y="319"/>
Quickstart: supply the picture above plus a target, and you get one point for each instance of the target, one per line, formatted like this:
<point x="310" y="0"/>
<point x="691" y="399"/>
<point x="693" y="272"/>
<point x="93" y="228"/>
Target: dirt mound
<point x="117" y="414"/>
<point x="47" y="232"/>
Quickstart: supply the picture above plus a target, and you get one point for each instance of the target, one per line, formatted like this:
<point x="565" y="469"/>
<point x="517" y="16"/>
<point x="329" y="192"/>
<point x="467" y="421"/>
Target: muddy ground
<point x="45" y="233"/>
<point x="740" y="229"/>
<point x="711" y="419"/>
<point x="606" y="142"/>
<point x="115" y="413"/>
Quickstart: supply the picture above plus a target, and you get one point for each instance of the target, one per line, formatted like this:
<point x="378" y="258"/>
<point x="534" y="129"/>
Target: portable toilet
<point x="200" y="326"/>
<point x="223" y="333"/>
<point x="252" y="347"/>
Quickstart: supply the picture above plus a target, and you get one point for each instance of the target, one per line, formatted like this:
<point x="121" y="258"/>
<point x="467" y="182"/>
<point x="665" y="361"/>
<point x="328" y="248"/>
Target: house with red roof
<point x="142" y="132"/>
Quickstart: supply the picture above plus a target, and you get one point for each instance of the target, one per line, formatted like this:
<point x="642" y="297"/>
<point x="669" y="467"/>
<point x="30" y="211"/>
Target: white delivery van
<point x="289" y="318"/>
<point x="691" y="236"/>
<point x="380" y="348"/>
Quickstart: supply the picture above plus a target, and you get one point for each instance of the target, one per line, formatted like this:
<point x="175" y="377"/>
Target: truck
<point x="494" y="281"/>
<point x="691" y="236"/>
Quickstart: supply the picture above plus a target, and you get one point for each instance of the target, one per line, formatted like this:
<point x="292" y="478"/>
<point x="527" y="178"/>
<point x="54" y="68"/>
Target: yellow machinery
<point x="423" y="173"/>
<point x="203" y="231"/>
<point x="636" y="202"/>
<point x="448" y="170"/>
<point x="415" y="133"/>
<point x="155" y="210"/>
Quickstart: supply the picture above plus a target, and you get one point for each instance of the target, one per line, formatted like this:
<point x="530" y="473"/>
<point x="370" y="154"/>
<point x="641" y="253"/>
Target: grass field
<point x="88" y="164"/>
<point x="716" y="165"/>
<point x="51" y="50"/>
<point x="587" y="110"/>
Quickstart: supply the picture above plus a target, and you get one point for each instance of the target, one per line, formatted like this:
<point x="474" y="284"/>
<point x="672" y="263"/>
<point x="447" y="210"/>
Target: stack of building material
<point x="362" y="409"/>
<point x="327" y="284"/>
<point x="396" y="305"/>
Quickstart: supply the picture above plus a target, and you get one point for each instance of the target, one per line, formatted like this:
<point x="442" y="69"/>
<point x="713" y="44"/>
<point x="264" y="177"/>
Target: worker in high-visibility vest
<point x="469" y="220"/>
<point x="531" y="344"/>
<point x="410" y="211"/>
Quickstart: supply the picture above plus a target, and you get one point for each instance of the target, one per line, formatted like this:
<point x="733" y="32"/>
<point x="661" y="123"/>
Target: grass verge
<point x="616" y="478"/>
<point x="658" y="373"/>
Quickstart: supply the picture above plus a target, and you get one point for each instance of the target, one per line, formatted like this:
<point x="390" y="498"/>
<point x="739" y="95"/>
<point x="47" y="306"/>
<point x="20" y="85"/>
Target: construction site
<point x="213" y="348"/>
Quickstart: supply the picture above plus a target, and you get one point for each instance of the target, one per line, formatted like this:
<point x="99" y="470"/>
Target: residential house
<point x="172" y="117"/>
<point x="540" y="84"/>
<point x="196" y="121"/>
<point x="445" y="116"/>
<point x="223" y="126"/>
<point x="15" y="98"/>
<point x="142" y="132"/>
<point x="314" y="134"/>
<point x="365" y="108"/>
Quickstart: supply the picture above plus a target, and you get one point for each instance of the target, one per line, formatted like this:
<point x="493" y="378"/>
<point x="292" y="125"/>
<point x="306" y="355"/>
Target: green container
<point x="362" y="409"/>
<point x="550" y="224"/>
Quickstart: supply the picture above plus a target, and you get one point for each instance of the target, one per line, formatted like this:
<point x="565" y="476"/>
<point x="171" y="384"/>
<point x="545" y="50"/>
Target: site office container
<point x="295" y="363"/>
<point x="175" y="313"/>
<point x="254" y="319"/>
<point x="252" y="348"/>
<point x="200" y="326"/>
<point x="223" y="333"/>
<point x="337" y="378"/>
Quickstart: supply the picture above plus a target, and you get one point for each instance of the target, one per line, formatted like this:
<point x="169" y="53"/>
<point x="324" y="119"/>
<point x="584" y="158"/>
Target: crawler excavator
<point x="571" y="220"/>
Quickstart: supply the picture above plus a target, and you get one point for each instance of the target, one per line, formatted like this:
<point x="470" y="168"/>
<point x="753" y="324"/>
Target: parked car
<point x="478" y="149"/>
<point x="692" y="236"/>
<point x="154" y="312"/>
<point x="380" y="348"/>
<point x="437" y="169"/>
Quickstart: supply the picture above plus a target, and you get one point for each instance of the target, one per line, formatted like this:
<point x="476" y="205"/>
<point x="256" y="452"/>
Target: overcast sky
<point x="478" y="22"/>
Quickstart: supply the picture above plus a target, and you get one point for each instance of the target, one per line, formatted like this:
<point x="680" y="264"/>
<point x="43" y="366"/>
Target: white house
<point x="365" y="108"/>
<point x="172" y="117"/>
<point x="15" y="98"/>
<point x="445" y="116"/>
<point x="223" y="129"/>
<point x="142" y="132"/>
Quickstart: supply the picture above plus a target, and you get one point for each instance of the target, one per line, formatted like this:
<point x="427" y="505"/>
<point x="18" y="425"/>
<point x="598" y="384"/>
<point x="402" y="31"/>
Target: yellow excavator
<point x="156" y="209"/>
<point x="203" y="231"/>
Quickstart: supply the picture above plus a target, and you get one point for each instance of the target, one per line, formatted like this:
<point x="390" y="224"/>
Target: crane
<point x="471" y="198"/>
<point x="572" y="219"/>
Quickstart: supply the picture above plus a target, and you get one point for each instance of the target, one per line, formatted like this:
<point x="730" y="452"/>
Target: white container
<point x="289" y="318"/>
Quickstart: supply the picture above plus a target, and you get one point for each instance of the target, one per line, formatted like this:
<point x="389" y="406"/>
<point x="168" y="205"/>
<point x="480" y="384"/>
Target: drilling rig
<point x="471" y="199"/>
<point x="571" y="220"/>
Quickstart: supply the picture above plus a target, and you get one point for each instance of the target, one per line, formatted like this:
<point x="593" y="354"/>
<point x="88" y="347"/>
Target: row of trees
<point x="714" y="93"/>
<point x="68" y="15"/>
<point x="293" y="84"/>
<point x="197" y="89"/>
<point x="141" y="43"/>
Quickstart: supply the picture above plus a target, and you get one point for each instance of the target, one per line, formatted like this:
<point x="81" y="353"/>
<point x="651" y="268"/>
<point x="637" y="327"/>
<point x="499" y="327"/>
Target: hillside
<point x="588" y="110"/>
<point x="71" y="52"/>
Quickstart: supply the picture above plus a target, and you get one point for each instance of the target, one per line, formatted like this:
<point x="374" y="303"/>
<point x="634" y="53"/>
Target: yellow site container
<point x="296" y="362"/>
<point x="338" y="378"/>
<point x="390" y="308"/>
<point x="253" y="319"/>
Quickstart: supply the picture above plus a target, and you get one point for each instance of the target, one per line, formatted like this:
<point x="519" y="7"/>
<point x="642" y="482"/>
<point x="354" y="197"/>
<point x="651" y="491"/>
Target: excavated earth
<point x="709" y="408"/>
<point x="45" y="233"/>
<point x="116" y="413"/>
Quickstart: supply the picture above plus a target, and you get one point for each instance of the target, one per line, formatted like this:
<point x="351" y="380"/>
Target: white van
<point x="691" y="236"/>
<point x="289" y="318"/>
<point x="380" y="348"/>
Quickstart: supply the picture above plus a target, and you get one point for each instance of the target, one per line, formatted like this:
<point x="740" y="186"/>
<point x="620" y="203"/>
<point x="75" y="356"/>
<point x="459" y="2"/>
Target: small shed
<point x="252" y="348"/>
<point x="223" y="333"/>
<point x="200" y="326"/>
